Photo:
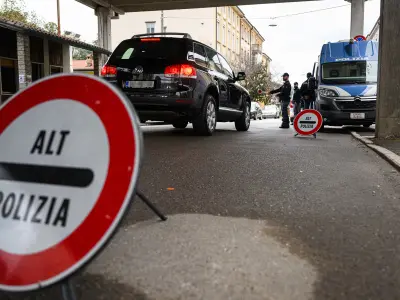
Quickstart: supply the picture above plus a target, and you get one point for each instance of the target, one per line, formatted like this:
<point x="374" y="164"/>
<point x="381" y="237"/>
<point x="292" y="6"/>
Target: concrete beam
<point x="104" y="30"/>
<point x="103" y="3"/>
<point x="388" y="105"/>
<point x="154" y="5"/>
<point x="46" y="57"/>
<point x="24" y="61"/>
<point x="357" y="17"/>
<point x="67" y="58"/>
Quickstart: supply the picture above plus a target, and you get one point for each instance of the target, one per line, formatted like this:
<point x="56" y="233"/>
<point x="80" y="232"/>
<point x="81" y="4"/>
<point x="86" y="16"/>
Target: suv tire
<point x="243" y="123"/>
<point x="180" y="124"/>
<point x="205" y="122"/>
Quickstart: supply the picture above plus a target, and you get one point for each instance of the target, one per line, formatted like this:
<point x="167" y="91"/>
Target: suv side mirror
<point x="240" y="76"/>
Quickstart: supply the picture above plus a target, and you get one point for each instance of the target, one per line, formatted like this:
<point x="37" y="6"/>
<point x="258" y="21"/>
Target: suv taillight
<point x="108" y="71"/>
<point x="182" y="71"/>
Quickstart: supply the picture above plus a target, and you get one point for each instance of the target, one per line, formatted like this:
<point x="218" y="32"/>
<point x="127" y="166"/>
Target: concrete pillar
<point x="357" y="17"/>
<point x="46" y="57"/>
<point x="24" y="61"/>
<point x="388" y="105"/>
<point x="104" y="30"/>
<point x="67" y="58"/>
<point x="96" y="64"/>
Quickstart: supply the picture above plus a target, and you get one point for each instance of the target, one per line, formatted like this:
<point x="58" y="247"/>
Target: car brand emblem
<point x="357" y="99"/>
<point x="138" y="70"/>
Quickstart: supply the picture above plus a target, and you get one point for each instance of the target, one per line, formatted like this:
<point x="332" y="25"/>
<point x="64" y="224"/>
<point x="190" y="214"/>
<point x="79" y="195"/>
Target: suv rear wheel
<point x="243" y="123"/>
<point x="180" y="124"/>
<point x="206" y="120"/>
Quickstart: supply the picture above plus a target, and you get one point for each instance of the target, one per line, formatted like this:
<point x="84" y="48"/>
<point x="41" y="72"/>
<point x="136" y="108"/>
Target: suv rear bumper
<point x="162" y="108"/>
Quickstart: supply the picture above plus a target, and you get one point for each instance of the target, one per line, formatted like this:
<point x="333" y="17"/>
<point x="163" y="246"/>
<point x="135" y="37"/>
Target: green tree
<point x="51" y="27"/>
<point x="258" y="77"/>
<point x="80" y="54"/>
<point x="15" y="10"/>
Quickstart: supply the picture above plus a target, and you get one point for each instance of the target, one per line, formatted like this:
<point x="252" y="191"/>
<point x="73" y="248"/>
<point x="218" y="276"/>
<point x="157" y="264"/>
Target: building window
<point x="8" y="78"/>
<point x="37" y="71"/>
<point x="150" y="27"/>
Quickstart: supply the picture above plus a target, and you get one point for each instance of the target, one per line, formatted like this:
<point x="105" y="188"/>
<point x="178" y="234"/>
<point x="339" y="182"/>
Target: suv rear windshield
<point x="157" y="48"/>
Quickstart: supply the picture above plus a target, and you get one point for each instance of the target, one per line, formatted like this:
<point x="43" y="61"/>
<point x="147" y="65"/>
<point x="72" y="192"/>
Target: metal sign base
<point x="151" y="205"/>
<point x="67" y="290"/>
<point x="314" y="135"/>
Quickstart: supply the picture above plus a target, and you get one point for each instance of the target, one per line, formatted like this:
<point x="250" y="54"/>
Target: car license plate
<point x="357" y="116"/>
<point x="139" y="84"/>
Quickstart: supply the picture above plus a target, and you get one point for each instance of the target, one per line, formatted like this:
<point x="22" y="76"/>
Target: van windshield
<point x="352" y="72"/>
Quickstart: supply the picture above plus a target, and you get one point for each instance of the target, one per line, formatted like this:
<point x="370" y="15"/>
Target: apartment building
<point x="266" y="61"/>
<point x="225" y="29"/>
<point x="229" y="32"/>
<point x="374" y="34"/>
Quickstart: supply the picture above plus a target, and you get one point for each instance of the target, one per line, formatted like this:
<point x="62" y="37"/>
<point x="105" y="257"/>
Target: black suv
<point x="178" y="80"/>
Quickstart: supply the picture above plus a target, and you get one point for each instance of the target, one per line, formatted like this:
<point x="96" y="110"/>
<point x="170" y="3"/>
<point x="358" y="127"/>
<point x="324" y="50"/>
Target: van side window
<point x="214" y="62"/>
<point x="200" y="56"/>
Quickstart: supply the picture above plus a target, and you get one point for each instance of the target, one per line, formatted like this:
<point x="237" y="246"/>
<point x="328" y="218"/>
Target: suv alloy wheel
<point x="243" y="123"/>
<point x="206" y="120"/>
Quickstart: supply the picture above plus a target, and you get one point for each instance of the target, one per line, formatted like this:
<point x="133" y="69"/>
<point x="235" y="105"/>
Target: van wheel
<point x="180" y="124"/>
<point x="206" y="121"/>
<point x="322" y="129"/>
<point x="243" y="123"/>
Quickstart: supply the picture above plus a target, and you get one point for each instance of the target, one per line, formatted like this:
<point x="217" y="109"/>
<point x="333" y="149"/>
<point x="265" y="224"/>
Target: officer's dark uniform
<point x="307" y="94"/>
<point x="296" y="99"/>
<point x="284" y="97"/>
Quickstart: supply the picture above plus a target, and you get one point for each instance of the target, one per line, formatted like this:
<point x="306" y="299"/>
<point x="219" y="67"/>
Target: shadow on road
<point x="167" y="131"/>
<point x="87" y="287"/>
<point x="347" y="129"/>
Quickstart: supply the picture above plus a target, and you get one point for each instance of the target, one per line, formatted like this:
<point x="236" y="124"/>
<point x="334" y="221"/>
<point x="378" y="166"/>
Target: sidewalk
<point x="388" y="149"/>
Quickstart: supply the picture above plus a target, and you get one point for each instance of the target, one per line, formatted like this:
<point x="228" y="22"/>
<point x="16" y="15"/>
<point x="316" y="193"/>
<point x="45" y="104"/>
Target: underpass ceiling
<point x="121" y="6"/>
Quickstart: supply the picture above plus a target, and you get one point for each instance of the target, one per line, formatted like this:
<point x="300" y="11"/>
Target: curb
<point x="386" y="154"/>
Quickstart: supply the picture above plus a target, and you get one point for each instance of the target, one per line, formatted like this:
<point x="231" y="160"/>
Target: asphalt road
<point x="253" y="215"/>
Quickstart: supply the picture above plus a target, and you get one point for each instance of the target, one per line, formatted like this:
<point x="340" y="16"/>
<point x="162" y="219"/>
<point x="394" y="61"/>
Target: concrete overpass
<point x="388" y="107"/>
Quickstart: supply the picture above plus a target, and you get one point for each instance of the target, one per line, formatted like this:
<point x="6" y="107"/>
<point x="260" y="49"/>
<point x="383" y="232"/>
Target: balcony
<point x="256" y="49"/>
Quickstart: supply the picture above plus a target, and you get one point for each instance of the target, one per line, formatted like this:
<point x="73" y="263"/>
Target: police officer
<point x="284" y="98"/>
<point x="308" y="92"/>
<point x="296" y="99"/>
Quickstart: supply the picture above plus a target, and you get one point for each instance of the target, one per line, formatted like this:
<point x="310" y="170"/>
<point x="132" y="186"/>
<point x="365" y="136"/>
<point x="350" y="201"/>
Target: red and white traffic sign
<point x="70" y="152"/>
<point x="308" y="122"/>
<point x="360" y="38"/>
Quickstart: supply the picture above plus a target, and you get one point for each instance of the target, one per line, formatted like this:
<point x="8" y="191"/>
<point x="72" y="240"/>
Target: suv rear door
<point x="143" y="64"/>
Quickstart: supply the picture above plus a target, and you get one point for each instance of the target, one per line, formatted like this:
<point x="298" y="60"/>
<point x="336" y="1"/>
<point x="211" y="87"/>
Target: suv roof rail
<point x="185" y="35"/>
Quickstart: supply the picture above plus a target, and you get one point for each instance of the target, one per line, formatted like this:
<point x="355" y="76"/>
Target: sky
<point x="293" y="45"/>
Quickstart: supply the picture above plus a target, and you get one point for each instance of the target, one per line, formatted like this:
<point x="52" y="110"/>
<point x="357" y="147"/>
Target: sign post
<point x="70" y="154"/>
<point x="308" y="122"/>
